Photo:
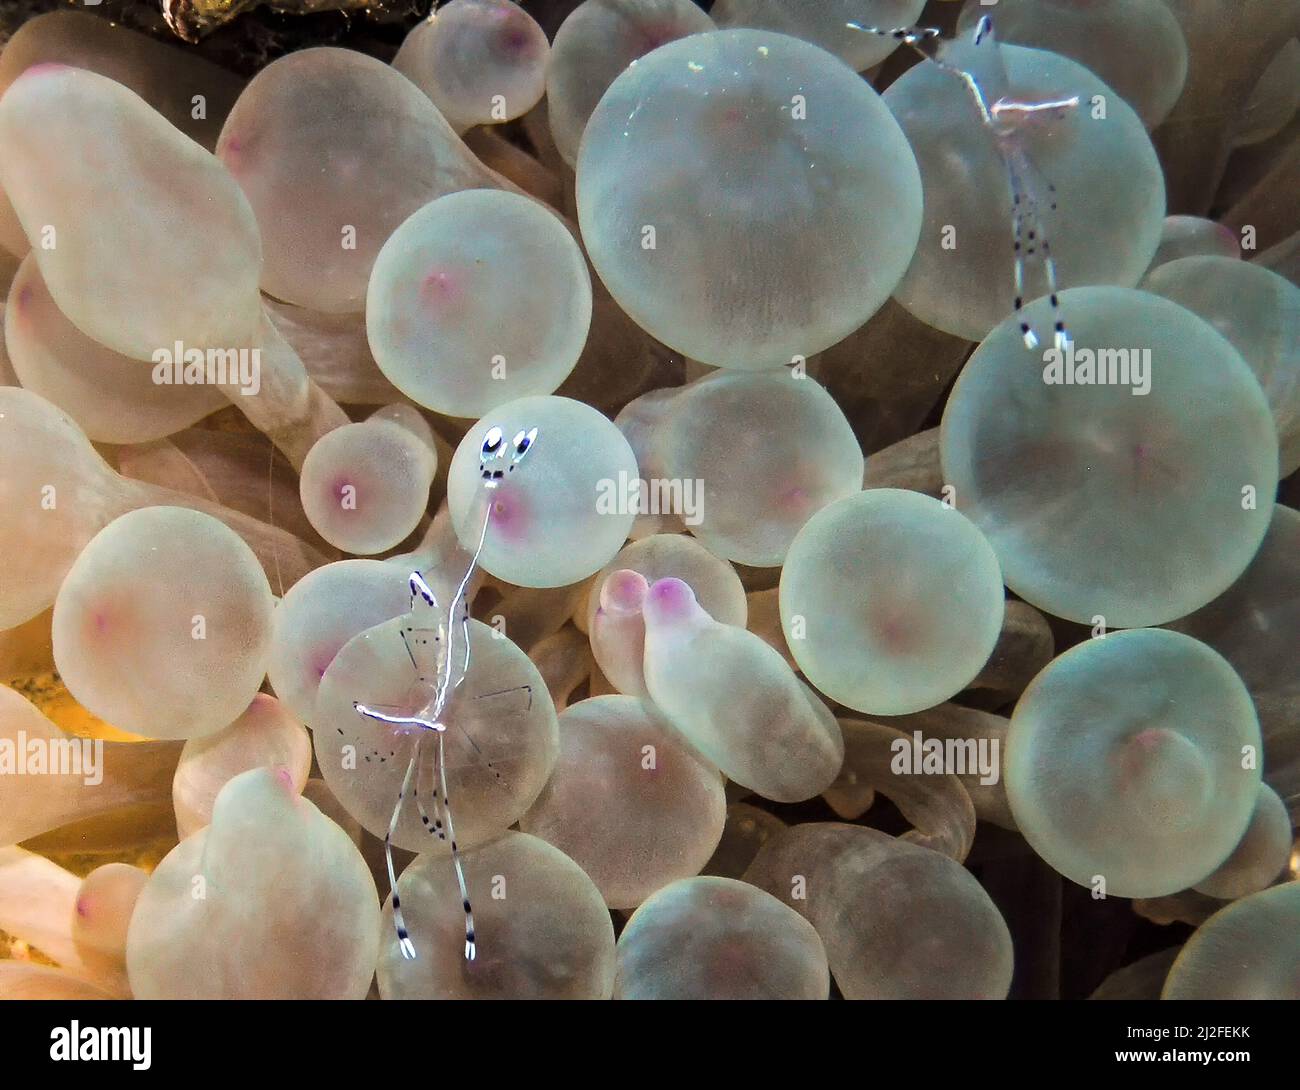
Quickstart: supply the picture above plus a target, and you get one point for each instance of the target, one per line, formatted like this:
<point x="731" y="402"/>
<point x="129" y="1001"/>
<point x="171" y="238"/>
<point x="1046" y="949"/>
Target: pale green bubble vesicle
<point x="891" y="602"/>
<point x="594" y="44"/>
<point x="1255" y="625"/>
<point x="1106" y="504"/>
<point x="134" y="205"/>
<point x="244" y="908"/>
<point x="479" y="298"/>
<point x="746" y="459"/>
<point x="501" y="740"/>
<point x="746" y="197"/>
<point x="563" y="512"/>
<point x="1261" y="855"/>
<point x="543" y="931"/>
<point x="1192" y="236"/>
<point x="1109" y="189"/>
<point x="717" y="938"/>
<point x="375" y="148"/>
<point x="1259" y="313"/>
<point x="365" y="486"/>
<point x="267" y="735"/>
<point x="163" y="624"/>
<point x="1245" y="951"/>
<point x="770" y="733"/>
<point x="113" y="398"/>
<point x="481" y="62"/>
<point x="661" y="805"/>
<point x="1136" y="46"/>
<point x="319" y="615"/>
<point x="898" y="921"/>
<point x="1133" y="763"/>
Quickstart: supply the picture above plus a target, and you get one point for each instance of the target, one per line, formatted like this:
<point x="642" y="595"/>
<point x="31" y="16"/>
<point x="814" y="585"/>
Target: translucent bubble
<point x="501" y="739"/>
<point x="890" y="601"/>
<point x="1259" y="313"/>
<point x="245" y="908"/>
<point x="716" y="585"/>
<point x="1261" y="855"/>
<point x="1136" y="46"/>
<point x="265" y="736"/>
<point x="480" y="61"/>
<point x="71" y="144"/>
<point x="1245" y="951"/>
<point x="557" y="517"/>
<point x="545" y="934"/>
<point x="1109" y="189"/>
<point x="322" y="612"/>
<point x="375" y="148"/>
<point x="594" y="44"/>
<point x="105" y="901"/>
<point x="898" y="921"/>
<point x="162" y="626"/>
<point x="716" y="938"/>
<point x="662" y="807"/>
<point x="751" y="457"/>
<point x="480" y="298"/>
<point x="618" y="631"/>
<point x="365" y="486"/>
<point x="1274" y="100"/>
<point x="1134" y="759"/>
<point x="827" y="23"/>
<point x="736" y="700"/>
<point x="1192" y="236"/>
<point x="788" y="212"/>
<point x="1255" y="625"/>
<point x="1125" y="503"/>
<point x="113" y="398"/>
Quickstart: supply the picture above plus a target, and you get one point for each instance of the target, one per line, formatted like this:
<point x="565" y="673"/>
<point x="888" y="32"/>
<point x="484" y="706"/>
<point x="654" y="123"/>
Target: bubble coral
<point x="163" y="624"/>
<point x="890" y="601"/>
<point x="663" y="807"/>
<point x="1172" y="734"/>
<point x="501" y="742"/>
<point x="1105" y="503"/>
<point x="479" y="61"/>
<point x="595" y="44"/>
<point x="544" y="934"/>
<point x="243" y="908"/>
<point x="365" y="486"/>
<point x="788" y="213"/>
<point x="1245" y="951"/>
<point x="1102" y="221"/>
<point x="716" y="938"/>
<point x="479" y="298"/>
<point x="565" y="514"/>
<point x="774" y="736"/>
<point x="898" y="921"/>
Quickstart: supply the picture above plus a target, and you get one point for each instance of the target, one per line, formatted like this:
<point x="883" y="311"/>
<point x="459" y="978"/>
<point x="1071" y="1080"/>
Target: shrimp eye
<point x="523" y="442"/>
<point x="492" y="440"/>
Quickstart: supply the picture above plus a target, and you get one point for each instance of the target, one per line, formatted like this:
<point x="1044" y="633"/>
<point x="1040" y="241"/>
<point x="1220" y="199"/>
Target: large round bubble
<point x="1132" y="762"/>
<point x="746" y="198"/>
<point x="890" y="601"/>
<point x="1119" y="480"/>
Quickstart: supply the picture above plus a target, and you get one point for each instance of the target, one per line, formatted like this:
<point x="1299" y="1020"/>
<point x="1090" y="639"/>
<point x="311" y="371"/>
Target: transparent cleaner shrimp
<point x="1033" y="197"/>
<point x="437" y="678"/>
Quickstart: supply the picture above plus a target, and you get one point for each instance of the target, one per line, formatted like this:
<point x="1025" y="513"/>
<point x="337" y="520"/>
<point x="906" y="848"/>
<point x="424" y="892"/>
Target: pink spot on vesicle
<point x="442" y="289"/>
<point x="510" y="514"/>
<point x="669" y="600"/>
<point x="83" y="906"/>
<point x="44" y="68"/>
<point x="24" y="299"/>
<point x="285" y="778"/>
